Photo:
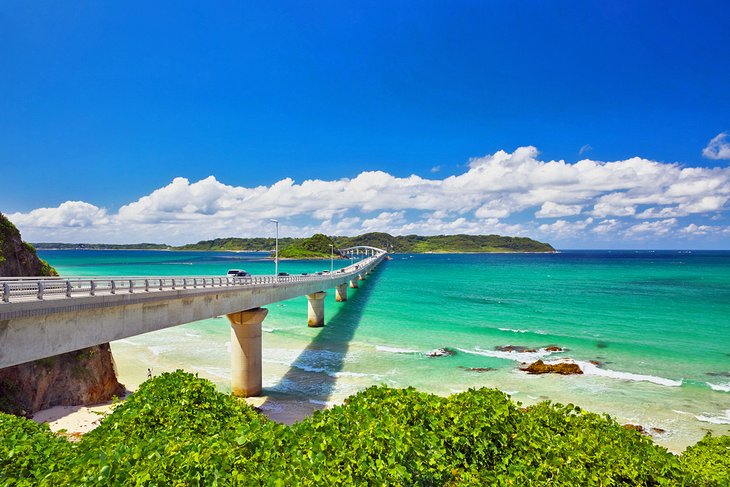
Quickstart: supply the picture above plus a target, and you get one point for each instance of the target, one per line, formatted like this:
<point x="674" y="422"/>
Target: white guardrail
<point x="23" y="289"/>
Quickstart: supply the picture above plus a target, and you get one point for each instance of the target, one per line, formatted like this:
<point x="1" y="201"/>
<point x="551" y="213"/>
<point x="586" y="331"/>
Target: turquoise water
<point x="657" y="324"/>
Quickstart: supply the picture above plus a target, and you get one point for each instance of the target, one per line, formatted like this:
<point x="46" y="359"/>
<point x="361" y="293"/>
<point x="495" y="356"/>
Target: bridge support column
<point x="315" y="309"/>
<point x="361" y="277"/>
<point x="246" y="351"/>
<point x="353" y="283"/>
<point x="341" y="292"/>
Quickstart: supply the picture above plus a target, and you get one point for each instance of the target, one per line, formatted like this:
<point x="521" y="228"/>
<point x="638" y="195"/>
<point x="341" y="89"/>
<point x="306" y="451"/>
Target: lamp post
<point x="276" y="250"/>
<point x="332" y="258"/>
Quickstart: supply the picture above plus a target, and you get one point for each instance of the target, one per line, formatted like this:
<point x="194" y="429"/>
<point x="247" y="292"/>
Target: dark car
<point x="283" y="274"/>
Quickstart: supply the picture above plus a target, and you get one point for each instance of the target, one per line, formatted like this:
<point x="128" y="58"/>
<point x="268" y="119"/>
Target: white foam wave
<point x="327" y="404"/>
<point x="268" y="330"/>
<point x="158" y="349"/>
<point x="382" y="348"/>
<point x="515" y="356"/>
<point x="591" y="369"/>
<point x="187" y="334"/>
<point x="322" y="370"/>
<point x="587" y="367"/>
<point x="723" y="419"/>
<point x="719" y="387"/>
<point x="517" y="330"/>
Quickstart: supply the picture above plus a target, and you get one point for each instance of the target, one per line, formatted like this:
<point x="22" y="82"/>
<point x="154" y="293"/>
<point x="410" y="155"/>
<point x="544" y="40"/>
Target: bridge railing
<point x="12" y="289"/>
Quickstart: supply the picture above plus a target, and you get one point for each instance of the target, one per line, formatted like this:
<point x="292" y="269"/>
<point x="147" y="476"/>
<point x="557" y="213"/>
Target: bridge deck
<point x="45" y="317"/>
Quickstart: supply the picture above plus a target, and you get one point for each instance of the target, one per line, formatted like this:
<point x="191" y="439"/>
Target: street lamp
<point x="332" y="258"/>
<point x="276" y="250"/>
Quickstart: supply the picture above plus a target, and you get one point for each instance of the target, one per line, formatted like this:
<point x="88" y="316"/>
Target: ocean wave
<point x="268" y="330"/>
<point x="158" y="349"/>
<point x="588" y="368"/>
<point x="514" y="355"/>
<point x="322" y="370"/>
<point x="513" y="330"/>
<point x="327" y="404"/>
<point x="592" y="369"/>
<point x="382" y="348"/>
<point x="723" y="419"/>
<point x="194" y="335"/>
<point x="719" y="387"/>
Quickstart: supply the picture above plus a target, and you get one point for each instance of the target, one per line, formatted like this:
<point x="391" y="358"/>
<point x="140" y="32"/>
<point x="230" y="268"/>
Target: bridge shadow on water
<point x="311" y="380"/>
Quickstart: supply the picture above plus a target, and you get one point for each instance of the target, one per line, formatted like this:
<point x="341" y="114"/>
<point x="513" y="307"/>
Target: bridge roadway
<point x="43" y="317"/>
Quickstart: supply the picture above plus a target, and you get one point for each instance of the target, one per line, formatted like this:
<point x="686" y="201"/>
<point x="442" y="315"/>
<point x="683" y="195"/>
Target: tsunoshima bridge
<point x="42" y="317"/>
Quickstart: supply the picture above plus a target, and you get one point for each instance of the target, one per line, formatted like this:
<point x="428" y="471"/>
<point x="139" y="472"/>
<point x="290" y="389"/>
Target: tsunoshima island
<point x="338" y="244"/>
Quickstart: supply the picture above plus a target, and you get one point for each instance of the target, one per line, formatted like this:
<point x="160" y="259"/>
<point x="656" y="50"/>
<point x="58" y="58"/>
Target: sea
<point x="649" y="329"/>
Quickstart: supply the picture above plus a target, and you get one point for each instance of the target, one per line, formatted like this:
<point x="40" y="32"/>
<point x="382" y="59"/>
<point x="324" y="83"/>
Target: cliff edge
<point x="82" y="377"/>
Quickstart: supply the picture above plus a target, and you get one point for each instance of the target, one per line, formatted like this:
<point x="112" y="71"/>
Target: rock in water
<point x="563" y="368"/>
<point x="515" y="348"/>
<point x="82" y="377"/>
<point x="441" y="352"/>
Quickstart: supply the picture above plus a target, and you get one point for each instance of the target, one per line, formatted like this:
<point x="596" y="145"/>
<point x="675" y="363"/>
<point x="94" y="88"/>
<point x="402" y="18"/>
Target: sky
<point x="583" y="124"/>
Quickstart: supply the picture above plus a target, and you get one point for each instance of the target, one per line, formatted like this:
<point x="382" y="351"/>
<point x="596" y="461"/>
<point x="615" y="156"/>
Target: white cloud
<point x="718" y="147"/>
<point x="69" y="214"/>
<point x="555" y="210"/>
<point x="607" y="227"/>
<point x="652" y="229"/>
<point x="701" y="230"/>
<point x="584" y="149"/>
<point x="497" y="193"/>
<point x="435" y="169"/>
<point x="563" y="228"/>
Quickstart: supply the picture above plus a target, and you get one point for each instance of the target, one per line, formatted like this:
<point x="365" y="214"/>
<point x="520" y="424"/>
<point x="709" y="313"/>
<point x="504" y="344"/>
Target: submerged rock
<point x="563" y="368"/>
<point x="441" y="352"/>
<point x="553" y="348"/>
<point x="515" y="348"/>
<point x="479" y="369"/>
<point x="635" y="427"/>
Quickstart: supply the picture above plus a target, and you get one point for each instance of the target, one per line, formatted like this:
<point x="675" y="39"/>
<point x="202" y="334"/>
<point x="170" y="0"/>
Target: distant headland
<point x="318" y="245"/>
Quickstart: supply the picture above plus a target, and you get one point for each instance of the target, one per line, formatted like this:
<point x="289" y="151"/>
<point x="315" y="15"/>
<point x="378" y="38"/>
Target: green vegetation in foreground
<point x="178" y="430"/>
<point x="306" y="247"/>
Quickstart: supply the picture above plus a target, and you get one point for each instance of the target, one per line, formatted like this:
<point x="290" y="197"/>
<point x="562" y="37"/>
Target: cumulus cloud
<point x="718" y="147"/>
<point x="695" y="230"/>
<point x="69" y="214"/>
<point x="652" y="229"/>
<point x="554" y="210"/>
<point x="497" y="193"/>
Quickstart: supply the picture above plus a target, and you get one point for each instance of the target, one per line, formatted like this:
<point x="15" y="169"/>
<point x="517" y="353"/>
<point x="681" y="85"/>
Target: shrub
<point x="178" y="430"/>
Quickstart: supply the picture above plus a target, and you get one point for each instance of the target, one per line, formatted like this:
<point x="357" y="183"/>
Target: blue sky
<point x="104" y="107"/>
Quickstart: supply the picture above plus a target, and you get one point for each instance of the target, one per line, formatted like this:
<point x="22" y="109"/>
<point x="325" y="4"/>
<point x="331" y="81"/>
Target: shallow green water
<point x="657" y="323"/>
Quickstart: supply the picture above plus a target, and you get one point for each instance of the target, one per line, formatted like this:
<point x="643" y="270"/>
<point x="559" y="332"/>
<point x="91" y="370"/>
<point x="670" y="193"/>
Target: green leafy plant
<point x="178" y="430"/>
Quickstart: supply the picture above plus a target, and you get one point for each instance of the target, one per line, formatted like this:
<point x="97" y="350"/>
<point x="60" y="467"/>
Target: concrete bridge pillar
<point x="246" y="351"/>
<point x="341" y="292"/>
<point x="353" y="283"/>
<point x="315" y="309"/>
<point x="361" y="277"/>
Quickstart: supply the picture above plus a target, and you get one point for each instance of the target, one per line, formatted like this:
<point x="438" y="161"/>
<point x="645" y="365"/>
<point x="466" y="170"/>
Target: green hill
<point x="315" y="247"/>
<point x="445" y="243"/>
